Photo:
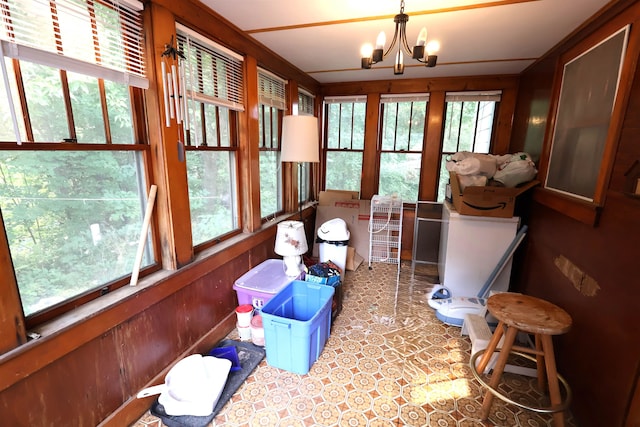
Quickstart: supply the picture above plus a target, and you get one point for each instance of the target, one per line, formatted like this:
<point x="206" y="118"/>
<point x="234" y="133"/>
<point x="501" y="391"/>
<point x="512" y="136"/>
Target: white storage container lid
<point x="334" y="230"/>
<point x="267" y="277"/>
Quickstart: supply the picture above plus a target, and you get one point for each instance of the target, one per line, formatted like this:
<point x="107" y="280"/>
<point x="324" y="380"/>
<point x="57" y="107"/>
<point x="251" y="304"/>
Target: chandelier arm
<point x="393" y="42"/>
<point x="403" y="39"/>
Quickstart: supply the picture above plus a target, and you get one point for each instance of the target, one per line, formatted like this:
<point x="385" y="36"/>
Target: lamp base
<point x="292" y="265"/>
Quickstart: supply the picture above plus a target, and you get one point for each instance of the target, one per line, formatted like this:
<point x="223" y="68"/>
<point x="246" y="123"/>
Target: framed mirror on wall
<point x="591" y="92"/>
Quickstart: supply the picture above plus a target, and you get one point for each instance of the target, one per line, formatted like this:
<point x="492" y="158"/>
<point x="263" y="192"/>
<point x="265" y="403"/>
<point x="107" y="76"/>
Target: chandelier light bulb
<point x="381" y="40"/>
<point x="433" y="47"/>
<point x="398" y="67"/>
<point x="366" y="50"/>
<point x="422" y="37"/>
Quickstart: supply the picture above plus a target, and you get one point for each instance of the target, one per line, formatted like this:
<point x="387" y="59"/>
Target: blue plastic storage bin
<point x="296" y="322"/>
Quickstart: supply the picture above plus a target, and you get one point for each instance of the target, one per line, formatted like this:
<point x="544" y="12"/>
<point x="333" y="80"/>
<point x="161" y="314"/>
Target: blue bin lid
<point x="267" y="277"/>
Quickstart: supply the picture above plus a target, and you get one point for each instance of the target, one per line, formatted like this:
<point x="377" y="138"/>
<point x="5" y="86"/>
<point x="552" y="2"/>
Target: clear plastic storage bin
<point x="261" y="283"/>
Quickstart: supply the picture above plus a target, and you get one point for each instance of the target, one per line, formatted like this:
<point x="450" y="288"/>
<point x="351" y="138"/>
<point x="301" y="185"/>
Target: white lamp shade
<point x="291" y="239"/>
<point x="300" y="139"/>
<point x="291" y="242"/>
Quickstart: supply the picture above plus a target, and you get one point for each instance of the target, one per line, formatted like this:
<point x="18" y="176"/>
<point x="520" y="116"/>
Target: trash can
<point x="333" y="240"/>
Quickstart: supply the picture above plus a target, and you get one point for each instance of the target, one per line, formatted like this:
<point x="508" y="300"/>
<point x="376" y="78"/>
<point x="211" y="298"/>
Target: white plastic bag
<point x="518" y="169"/>
<point x="466" y="163"/>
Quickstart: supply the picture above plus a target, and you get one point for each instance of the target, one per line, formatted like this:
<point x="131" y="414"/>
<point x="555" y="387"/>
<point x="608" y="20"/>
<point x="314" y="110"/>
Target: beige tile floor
<point x="388" y="362"/>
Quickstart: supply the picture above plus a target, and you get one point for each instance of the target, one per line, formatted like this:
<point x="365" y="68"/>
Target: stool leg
<point x="491" y="347"/>
<point x="498" y="369"/>
<point x="552" y="378"/>
<point x="540" y="366"/>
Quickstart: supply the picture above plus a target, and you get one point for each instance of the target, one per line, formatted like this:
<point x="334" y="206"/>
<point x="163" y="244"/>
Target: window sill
<point x="585" y="212"/>
<point x="66" y="333"/>
<point x="71" y="330"/>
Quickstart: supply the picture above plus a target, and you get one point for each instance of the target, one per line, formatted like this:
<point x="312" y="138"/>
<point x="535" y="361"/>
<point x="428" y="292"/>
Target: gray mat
<point x="250" y="356"/>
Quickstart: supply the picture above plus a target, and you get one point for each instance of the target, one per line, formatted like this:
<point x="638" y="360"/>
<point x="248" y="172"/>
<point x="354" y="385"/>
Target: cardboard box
<point x="326" y="198"/>
<point x="486" y="201"/>
<point x="353" y="259"/>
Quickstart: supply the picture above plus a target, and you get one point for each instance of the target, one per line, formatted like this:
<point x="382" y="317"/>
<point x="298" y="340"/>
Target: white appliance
<point x="470" y="249"/>
<point x="454" y="310"/>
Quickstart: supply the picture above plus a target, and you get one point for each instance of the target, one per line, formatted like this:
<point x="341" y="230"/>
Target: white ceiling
<point x="323" y="37"/>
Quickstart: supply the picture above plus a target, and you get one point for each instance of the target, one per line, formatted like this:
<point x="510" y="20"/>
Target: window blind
<point x="271" y="90"/>
<point x="344" y="99"/>
<point x="305" y="102"/>
<point x="100" y="38"/>
<point x="492" y="95"/>
<point x="213" y="73"/>
<point x="408" y="97"/>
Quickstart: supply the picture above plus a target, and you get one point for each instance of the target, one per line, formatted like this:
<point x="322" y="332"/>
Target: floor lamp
<point x="300" y="144"/>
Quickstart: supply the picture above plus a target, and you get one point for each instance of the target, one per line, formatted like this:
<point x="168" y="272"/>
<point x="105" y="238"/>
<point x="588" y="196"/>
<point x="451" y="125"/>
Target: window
<point x="305" y="107"/>
<point x="468" y="126"/>
<point x="586" y="101"/>
<point x="344" y="142"/>
<point x="403" y="124"/>
<point x="271" y="93"/>
<point x="305" y="103"/>
<point x="73" y="196"/>
<point x="213" y="79"/>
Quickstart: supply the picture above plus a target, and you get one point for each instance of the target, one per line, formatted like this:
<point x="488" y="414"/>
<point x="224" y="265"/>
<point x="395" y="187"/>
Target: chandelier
<point x="422" y="52"/>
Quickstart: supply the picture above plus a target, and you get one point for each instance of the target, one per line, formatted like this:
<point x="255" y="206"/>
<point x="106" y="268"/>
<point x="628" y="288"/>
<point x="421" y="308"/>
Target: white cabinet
<point x="470" y="249"/>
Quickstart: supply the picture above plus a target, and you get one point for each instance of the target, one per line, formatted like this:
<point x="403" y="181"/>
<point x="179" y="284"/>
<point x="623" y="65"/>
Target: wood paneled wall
<point x="600" y="356"/>
<point x="88" y="373"/>
<point x="88" y="365"/>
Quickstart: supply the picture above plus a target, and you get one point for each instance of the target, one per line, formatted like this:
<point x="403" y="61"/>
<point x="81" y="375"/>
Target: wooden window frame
<point x="206" y="145"/>
<point x="400" y="147"/>
<point x="348" y="146"/>
<point x="588" y="212"/>
<point x="494" y="127"/>
<point x="136" y="144"/>
<point x="264" y="147"/>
